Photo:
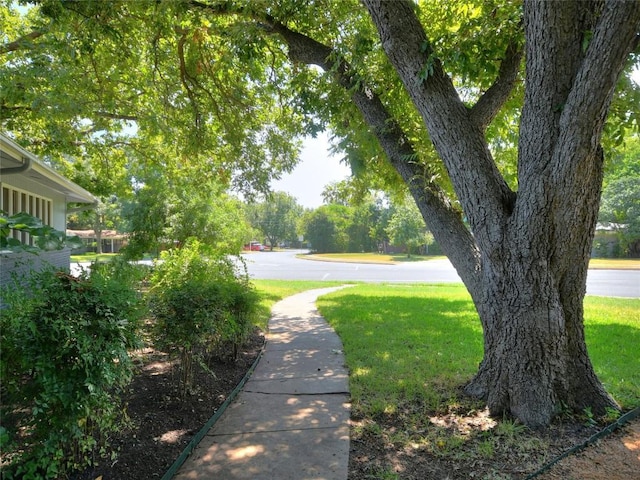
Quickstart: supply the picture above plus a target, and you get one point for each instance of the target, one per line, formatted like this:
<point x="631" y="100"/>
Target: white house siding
<point x="58" y="218"/>
<point x="40" y="191"/>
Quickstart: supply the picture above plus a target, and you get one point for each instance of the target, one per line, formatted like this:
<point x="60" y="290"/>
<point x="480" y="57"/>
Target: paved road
<point x="285" y="266"/>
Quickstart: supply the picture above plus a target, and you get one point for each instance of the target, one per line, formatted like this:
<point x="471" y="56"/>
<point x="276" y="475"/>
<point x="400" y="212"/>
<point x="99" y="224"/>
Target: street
<point x="286" y="266"/>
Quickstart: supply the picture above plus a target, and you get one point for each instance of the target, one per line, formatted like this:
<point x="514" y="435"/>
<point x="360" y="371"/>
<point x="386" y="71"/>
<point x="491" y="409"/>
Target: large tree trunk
<point x="97" y="230"/>
<point x="535" y="359"/>
<point x="525" y="258"/>
<point x="534" y="245"/>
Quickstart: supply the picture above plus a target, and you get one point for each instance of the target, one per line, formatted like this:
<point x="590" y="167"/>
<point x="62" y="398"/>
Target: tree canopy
<point x="276" y="218"/>
<point x="496" y="116"/>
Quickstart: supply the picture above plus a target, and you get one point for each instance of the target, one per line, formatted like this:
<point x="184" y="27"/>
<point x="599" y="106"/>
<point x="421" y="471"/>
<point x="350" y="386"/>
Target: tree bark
<point x="533" y="246"/>
<point x="98" y="235"/>
<point x="525" y="258"/>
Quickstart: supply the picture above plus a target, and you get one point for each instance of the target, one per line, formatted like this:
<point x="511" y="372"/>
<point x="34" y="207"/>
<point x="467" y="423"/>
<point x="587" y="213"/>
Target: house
<point x="28" y="185"/>
<point x="111" y="240"/>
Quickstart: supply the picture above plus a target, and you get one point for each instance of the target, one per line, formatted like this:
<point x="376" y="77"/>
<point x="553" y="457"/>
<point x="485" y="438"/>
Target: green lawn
<point x="382" y="258"/>
<point x="407" y="343"/>
<point x="420" y="343"/>
<point x="409" y="349"/>
<point x="92" y="257"/>
<point x="614" y="264"/>
<point x="594" y="263"/>
<point x="612" y="329"/>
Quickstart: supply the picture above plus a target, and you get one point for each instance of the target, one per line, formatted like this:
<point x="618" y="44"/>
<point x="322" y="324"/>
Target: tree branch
<point x="20" y="42"/>
<point x="116" y="116"/>
<point x="489" y="104"/>
<point x="443" y="219"/>
<point x="577" y="160"/>
<point x="614" y="37"/>
<point x="459" y="141"/>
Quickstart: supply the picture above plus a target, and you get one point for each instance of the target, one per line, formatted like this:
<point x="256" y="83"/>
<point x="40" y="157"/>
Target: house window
<point x="17" y="201"/>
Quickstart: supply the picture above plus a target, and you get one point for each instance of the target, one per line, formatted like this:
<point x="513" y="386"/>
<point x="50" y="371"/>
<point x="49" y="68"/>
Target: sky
<point x="317" y="168"/>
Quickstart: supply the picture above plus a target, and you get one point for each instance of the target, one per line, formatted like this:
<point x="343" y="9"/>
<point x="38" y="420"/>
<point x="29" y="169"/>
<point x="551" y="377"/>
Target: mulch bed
<point x="376" y="456"/>
<point x="161" y="424"/>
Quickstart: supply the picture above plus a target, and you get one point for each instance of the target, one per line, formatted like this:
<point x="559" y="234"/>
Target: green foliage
<point x="360" y="231"/>
<point x="64" y="359"/>
<point x="170" y="212"/>
<point x="205" y="212"/>
<point x="217" y="90"/>
<point x="164" y="69"/>
<point x="407" y="228"/>
<point x="45" y="237"/>
<point x="326" y="228"/>
<point x="146" y="219"/>
<point x="620" y="206"/>
<point x="202" y="303"/>
<point x="339" y="227"/>
<point x="620" y="209"/>
<point x="276" y="218"/>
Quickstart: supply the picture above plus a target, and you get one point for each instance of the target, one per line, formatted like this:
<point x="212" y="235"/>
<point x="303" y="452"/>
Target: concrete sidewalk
<point x="291" y="420"/>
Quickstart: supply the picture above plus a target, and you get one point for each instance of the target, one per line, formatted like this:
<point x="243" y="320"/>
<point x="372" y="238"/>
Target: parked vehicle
<point x="254" y="246"/>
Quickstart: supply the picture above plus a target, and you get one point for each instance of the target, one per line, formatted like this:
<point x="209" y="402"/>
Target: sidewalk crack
<point x="298" y="394"/>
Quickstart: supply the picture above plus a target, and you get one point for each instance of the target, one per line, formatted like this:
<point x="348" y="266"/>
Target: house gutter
<point x="26" y="165"/>
<point x="89" y="206"/>
<point x="31" y="163"/>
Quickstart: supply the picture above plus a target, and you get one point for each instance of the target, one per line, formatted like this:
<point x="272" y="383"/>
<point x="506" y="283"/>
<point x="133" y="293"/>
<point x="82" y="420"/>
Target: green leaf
<point x="24" y="220"/>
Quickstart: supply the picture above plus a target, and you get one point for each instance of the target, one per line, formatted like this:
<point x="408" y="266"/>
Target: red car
<point x="254" y="246"/>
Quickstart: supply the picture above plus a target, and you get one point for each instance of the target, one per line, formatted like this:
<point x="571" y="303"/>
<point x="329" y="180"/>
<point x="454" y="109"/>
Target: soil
<point x="614" y="458"/>
<point x="375" y="456"/>
<point x="161" y="426"/>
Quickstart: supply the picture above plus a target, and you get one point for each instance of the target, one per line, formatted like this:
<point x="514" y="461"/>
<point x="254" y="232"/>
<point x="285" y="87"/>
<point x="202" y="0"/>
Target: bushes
<point x="64" y="355"/>
<point x="64" y="344"/>
<point x="202" y="303"/>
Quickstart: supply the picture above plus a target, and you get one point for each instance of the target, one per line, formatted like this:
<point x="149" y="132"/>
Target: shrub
<point x="64" y="359"/>
<point x="202" y="303"/>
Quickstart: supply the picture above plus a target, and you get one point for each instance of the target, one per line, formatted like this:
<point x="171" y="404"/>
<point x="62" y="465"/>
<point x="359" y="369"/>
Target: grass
<point x="103" y="257"/>
<point x="408" y="343"/>
<point x="381" y="258"/>
<point x="405" y="343"/>
<point x="93" y="257"/>
<point x="410" y="348"/>
<point x="612" y="330"/>
<point x="421" y="342"/>
<point x="614" y="264"/>
<point x="594" y="263"/>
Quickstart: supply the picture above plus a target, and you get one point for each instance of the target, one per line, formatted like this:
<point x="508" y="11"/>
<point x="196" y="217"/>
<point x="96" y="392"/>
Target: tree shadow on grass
<point x="400" y="348"/>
